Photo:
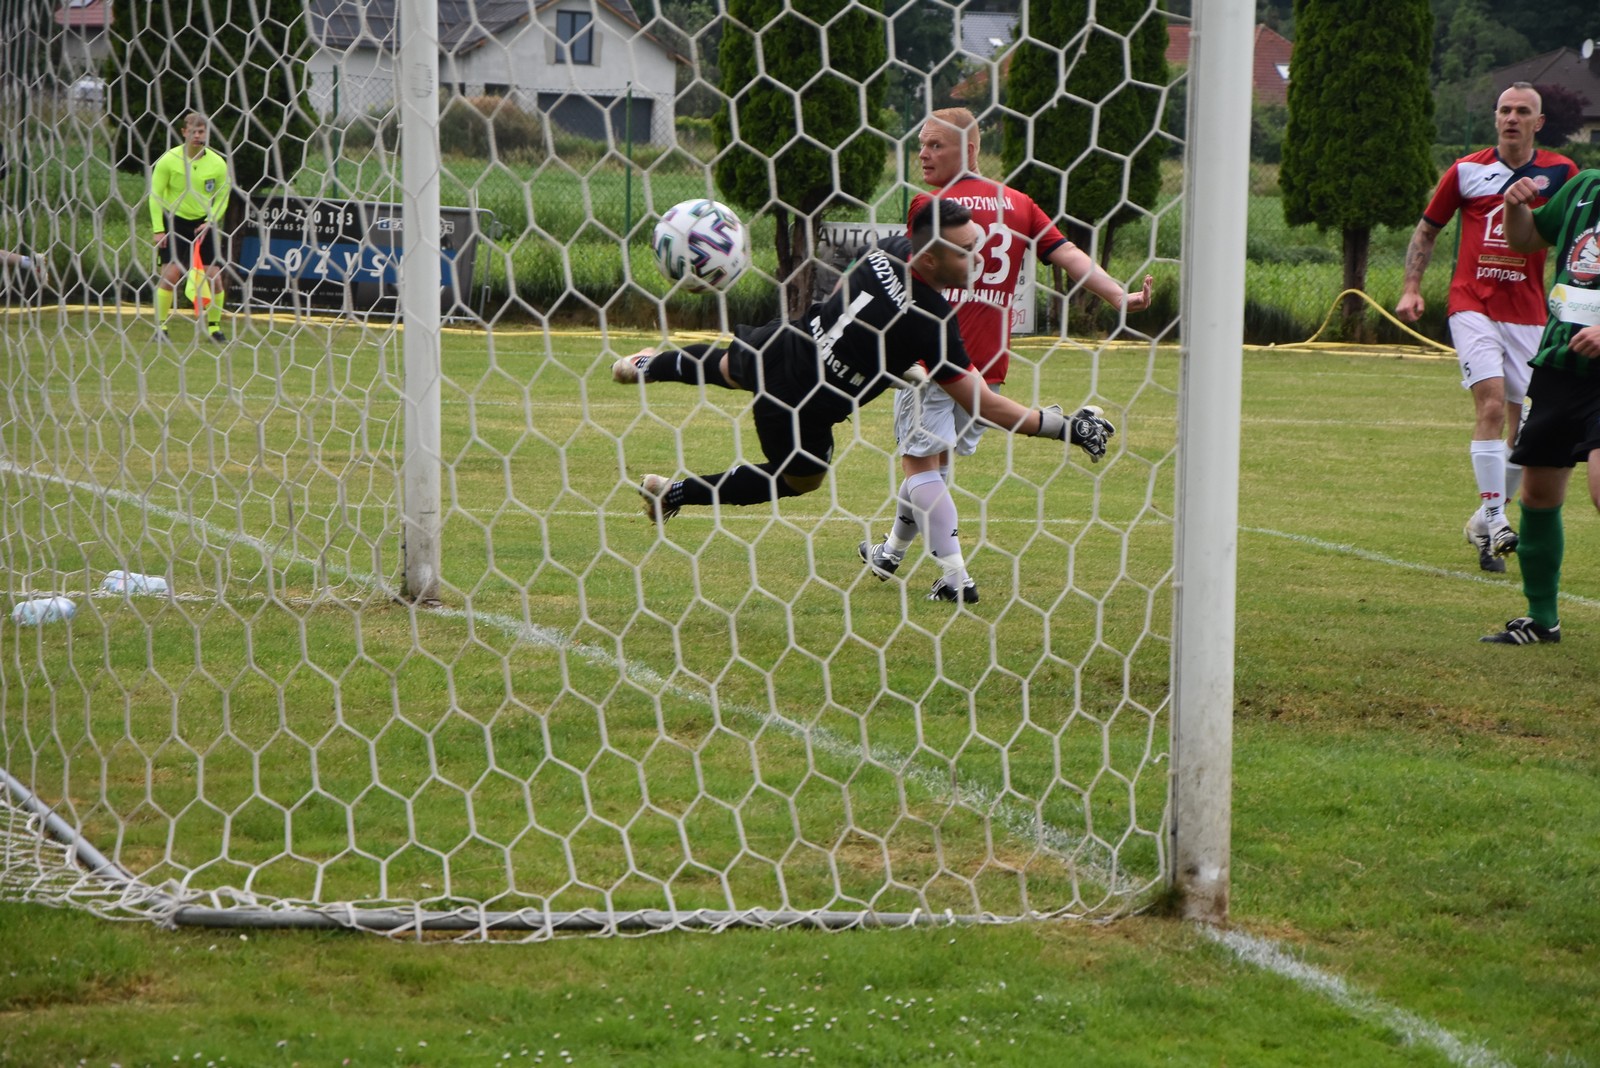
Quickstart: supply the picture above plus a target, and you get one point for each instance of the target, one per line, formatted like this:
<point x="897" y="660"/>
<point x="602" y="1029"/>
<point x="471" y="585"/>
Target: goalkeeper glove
<point x="1088" y="428"/>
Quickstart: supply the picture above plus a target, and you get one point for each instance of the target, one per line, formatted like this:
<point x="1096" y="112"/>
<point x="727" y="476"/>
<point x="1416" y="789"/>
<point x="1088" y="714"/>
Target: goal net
<point x="251" y="713"/>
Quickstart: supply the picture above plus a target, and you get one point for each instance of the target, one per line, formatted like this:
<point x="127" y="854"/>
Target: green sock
<point x="163" y="306"/>
<point x="1540" y="544"/>
<point x="214" y="313"/>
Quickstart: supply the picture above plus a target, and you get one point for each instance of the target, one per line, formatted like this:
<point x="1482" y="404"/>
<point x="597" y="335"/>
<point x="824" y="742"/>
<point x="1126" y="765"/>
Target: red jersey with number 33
<point x="1012" y="224"/>
<point x="1491" y="277"/>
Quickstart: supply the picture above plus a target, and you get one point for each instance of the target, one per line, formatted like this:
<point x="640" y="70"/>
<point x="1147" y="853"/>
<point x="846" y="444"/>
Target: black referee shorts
<point x="180" y="244"/>
<point x="1563" y="423"/>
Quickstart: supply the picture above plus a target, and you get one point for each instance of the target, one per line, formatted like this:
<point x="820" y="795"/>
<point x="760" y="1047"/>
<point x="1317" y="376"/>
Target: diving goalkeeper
<point x="887" y="314"/>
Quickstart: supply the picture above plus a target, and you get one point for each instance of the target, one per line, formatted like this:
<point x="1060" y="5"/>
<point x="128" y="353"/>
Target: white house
<point x="82" y="35"/>
<point x="580" y="62"/>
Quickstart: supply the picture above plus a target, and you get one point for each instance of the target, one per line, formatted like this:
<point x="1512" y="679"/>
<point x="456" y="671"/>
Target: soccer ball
<point x="701" y="244"/>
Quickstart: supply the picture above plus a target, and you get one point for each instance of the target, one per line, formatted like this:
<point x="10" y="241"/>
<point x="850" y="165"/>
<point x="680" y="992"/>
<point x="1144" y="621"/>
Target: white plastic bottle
<point x="44" y="610"/>
<point x="133" y="582"/>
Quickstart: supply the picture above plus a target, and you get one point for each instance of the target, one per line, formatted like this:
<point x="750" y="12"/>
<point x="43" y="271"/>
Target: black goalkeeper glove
<point x="1088" y="428"/>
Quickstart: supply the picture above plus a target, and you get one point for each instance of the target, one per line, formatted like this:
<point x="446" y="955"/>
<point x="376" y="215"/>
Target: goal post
<point x="1216" y="175"/>
<point x="368" y="628"/>
<point x="418" y="107"/>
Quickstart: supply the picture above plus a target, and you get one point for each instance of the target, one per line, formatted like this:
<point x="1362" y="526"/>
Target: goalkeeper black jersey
<point x="849" y="348"/>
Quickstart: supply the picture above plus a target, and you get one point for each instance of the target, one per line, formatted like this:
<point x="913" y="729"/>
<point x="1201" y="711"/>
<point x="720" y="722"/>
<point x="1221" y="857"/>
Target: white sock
<point x="905" y="528"/>
<point x="1513" y="481"/>
<point x="935" y="512"/>
<point x="1489" y="465"/>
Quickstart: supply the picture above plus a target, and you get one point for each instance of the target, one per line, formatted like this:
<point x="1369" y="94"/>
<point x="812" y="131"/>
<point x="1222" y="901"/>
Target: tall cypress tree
<point x="1357" y="153"/>
<point x="798" y="138"/>
<point x="241" y="65"/>
<point x="1065" y="72"/>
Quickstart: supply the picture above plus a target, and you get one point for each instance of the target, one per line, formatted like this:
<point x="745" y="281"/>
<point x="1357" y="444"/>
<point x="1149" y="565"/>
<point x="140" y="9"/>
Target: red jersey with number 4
<point x="1012" y="224"/>
<point x="1491" y="277"/>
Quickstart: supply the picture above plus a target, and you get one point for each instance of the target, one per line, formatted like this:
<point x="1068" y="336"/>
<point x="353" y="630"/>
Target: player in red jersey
<point x="1497" y="300"/>
<point x="927" y="426"/>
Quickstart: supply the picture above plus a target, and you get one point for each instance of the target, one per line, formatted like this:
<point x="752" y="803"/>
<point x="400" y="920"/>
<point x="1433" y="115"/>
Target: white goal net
<point x="252" y="712"/>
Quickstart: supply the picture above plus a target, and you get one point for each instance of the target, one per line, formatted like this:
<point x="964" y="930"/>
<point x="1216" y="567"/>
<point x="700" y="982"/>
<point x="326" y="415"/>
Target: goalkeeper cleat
<point x="631" y="369"/>
<point x="1477" y="532"/>
<point x="943" y="591"/>
<point x="1524" y="631"/>
<point x="654" y="489"/>
<point x="879" y="560"/>
<point x="1089" y="429"/>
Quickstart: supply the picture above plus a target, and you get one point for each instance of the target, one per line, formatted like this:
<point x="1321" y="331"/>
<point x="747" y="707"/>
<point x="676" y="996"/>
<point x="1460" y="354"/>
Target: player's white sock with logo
<point x="1489" y="465"/>
<point x="932" y="505"/>
<point x="905" y="528"/>
<point x="1513" y="481"/>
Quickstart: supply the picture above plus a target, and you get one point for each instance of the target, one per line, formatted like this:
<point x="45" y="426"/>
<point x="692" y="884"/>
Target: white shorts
<point x="1487" y="349"/>
<point x="928" y="421"/>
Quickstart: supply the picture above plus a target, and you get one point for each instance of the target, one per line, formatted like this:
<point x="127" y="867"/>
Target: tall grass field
<point x="603" y="714"/>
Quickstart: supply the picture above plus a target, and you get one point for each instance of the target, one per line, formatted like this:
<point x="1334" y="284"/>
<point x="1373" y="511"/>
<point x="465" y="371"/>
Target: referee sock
<point x="163" y="306"/>
<point x="1540" y="545"/>
<point x="214" y="315"/>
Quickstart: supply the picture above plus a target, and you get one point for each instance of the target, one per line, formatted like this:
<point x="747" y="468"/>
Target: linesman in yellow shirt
<point x="188" y="199"/>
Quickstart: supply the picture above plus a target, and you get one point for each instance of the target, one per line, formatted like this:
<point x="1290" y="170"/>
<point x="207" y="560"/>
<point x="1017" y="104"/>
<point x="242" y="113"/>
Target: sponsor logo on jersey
<point x="1580" y="307"/>
<point x="1494" y="231"/>
<point x="1583" y="264"/>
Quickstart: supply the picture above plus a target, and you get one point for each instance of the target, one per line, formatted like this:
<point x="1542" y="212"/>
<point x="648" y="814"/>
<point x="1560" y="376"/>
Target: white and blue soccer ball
<point x="702" y="245"/>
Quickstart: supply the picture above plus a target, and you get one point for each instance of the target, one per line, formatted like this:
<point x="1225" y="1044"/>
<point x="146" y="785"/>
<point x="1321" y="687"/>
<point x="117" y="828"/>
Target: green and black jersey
<point x="1570" y="221"/>
<point x="188" y="188"/>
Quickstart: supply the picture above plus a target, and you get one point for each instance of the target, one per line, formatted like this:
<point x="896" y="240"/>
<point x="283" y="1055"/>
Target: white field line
<point x="1019" y="820"/>
<point x="1390" y="561"/>
<point x="1271" y="957"/>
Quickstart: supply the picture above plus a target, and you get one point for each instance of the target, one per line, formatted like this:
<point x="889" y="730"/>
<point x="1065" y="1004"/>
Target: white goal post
<point x="368" y="630"/>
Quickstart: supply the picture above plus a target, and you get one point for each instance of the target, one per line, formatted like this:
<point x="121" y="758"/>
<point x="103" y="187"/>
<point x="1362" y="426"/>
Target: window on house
<point x="576" y="34"/>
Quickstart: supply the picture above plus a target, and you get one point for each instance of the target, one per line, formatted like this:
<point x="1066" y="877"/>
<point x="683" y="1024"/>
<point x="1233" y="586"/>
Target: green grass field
<point x="1413" y="810"/>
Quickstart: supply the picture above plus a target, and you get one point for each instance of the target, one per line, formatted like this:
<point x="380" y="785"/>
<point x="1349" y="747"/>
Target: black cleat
<point x="879" y="560"/>
<point x="943" y="591"/>
<point x="1524" y="631"/>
